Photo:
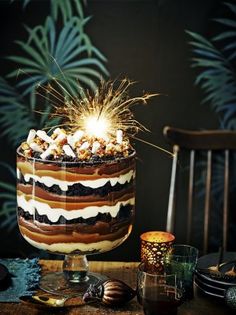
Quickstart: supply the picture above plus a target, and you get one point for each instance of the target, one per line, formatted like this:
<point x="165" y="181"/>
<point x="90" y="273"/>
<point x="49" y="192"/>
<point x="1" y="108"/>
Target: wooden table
<point x="200" y="305"/>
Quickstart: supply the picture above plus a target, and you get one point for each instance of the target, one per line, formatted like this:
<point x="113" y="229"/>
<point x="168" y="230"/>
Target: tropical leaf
<point x="230" y="35"/>
<point x="48" y="55"/>
<point x="66" y="8"/>
<point x="216" y="78"/>
<point x="15" y="117"/>
<point x="66" y="59"/>
<point x="227" y="22"/>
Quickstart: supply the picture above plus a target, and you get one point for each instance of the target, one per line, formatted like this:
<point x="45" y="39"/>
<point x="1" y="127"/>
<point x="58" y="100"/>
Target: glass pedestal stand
<point x="73" y="280"/>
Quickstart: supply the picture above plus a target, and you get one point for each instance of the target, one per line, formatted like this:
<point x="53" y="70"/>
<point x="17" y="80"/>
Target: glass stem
<point x="75" y="268"/>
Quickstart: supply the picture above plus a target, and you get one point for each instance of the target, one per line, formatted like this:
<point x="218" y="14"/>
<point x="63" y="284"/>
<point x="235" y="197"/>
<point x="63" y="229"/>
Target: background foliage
<point x="215" y="59"/>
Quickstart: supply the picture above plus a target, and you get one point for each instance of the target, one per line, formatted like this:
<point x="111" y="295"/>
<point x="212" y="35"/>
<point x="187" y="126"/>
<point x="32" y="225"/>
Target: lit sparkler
<point x="103" y="112"/>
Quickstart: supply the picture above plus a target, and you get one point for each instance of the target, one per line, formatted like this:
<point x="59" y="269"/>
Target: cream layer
<point x="53" y="214"/>
<point x="67" y="248"/>
<point x="95" y="183"/>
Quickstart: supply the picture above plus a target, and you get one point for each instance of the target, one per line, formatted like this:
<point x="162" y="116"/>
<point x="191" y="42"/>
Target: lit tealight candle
<point x="154" y="246"/>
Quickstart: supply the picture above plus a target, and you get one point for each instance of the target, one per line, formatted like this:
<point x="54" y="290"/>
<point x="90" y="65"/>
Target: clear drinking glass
<point x="75" y="209"/>
<point x="159" y="294"/>
<point x="182" y="260"/>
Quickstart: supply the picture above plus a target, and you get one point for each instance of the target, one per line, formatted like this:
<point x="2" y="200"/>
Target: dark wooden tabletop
<point x="200" y="305"/>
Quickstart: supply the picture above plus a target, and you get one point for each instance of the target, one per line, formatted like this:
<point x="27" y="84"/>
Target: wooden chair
<point x="209" y="143"/>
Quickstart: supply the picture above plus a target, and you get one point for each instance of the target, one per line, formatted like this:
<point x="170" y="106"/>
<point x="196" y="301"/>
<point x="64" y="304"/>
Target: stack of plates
<point x="215" y="283"/>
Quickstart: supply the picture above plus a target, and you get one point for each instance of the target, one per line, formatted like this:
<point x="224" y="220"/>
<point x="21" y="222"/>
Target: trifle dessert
<point x="75" y="190"/>
<point x="76" y="181"/>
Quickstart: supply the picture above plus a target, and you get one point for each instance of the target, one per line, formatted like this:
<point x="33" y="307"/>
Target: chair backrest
<point x="209" y="143"/>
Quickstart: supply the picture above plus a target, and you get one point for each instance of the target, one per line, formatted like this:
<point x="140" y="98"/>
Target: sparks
<point x="103" y="112"/>
<point x="97" y="127"/>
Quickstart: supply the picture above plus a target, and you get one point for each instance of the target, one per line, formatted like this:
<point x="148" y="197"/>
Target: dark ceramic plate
<point x="219" y="279"/>
<point x="217" y="282"/>
<point x="210" y="288"/>
<point x="206" y="290"/>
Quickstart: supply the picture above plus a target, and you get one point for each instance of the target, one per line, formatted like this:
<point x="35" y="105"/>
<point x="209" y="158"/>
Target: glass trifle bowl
<point x="75" y="209"/>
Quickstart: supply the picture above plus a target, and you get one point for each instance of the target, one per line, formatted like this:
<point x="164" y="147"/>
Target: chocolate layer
<point x="78" y="189"/>
<point x="41" y="193"/>
<point x="124" y="213"/>
<point x="99" y="227"/>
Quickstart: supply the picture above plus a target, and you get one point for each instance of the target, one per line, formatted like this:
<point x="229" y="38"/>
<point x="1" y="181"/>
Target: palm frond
<point x="216" y="78"/>
<point x="66" y="8"/>
<point x="48" y="56"/>
<point x="229" y="34"/>
<point x="15" y="117"/>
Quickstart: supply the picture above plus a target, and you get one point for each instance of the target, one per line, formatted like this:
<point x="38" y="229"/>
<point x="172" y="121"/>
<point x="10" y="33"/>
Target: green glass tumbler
<point x="182" y="260"/>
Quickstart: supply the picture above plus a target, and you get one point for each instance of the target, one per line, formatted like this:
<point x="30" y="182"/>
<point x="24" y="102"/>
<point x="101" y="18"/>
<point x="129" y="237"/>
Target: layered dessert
<point x="75" y="193"/>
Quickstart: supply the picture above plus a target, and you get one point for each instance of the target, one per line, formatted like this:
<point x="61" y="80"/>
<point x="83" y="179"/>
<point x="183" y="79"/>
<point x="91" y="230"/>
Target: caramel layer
<point x="74" y="237"/>
<point x="100" y="227"/>
<point x="78" y="206"/>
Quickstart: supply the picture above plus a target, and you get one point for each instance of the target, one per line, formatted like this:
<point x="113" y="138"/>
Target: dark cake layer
<point x="124" y="213"/>
<point x="38" y="192"/>
<point x="100" y="227"/>
<point x="78" y="189"/>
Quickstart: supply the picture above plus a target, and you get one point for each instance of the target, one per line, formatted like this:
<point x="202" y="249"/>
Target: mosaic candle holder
<point x="154" y="246"/>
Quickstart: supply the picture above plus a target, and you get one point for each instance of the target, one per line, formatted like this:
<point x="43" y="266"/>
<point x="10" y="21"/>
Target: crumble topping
<point x="62" y="145"/>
